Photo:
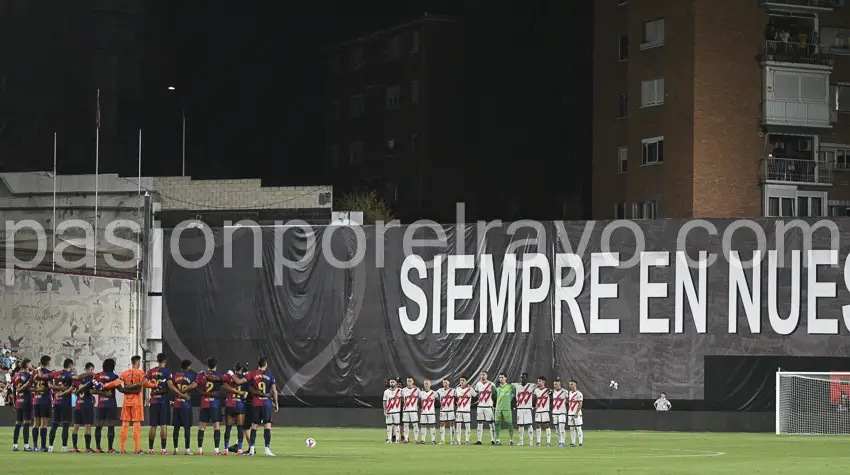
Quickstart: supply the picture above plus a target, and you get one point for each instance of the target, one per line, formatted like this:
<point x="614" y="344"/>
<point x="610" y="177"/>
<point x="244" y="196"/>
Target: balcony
<point x="826" y="5"/>
<point x="795" y="53"/>
<point x="795" y="171"/>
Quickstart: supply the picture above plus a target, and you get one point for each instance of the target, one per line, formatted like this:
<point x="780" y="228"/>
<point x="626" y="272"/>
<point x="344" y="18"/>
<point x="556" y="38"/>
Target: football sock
<point x="580" y="435"/>
<point x="468" y="430"/>
<point x="433" y="434"/>
<point x="53" y="430"/>
<point x="253" y="439"/>
<point x="548" y="435"/>
<point x="88" y="441"/>
<point x="43" y="431"/>
<point x="240" y="436"/>
<point x="125" y="429"/>
<point x="480" y="431"/>
<point x="498" y="432"/>
<point x="530" y="434"/>
<point x="163" y="442"/>
<point x="492" y="432"/>
<point x="65" y="427"/>
<point x="175" y="437"/>
<point x="398" y="433"/>
<point x="416" y="432"/>
<point x="217" y="439"/>
<point x="74" y="439"/>
<point x="98" y="433"/>
<point x="562" y="433"/>
<point x="521" y="435"/>
<point x="538" y="434"/>
<point x="458" y="431"/>
<point x="227" y="430"/>
<point x="17" y="434"/>
<point x="26" y="435"/>
<point x="511" y="431"/>
<point x="390" y="433"/>
<point x="110" y="436"/>
<point x="201" y="439"/>
<point x="442" y="434"/>
<point x="150" y="443"/>
<point x="572" y="435"/>
<point x="137" y="437"/>
<point x="267" y="437"/>
<point x="187" y="437"/>
<point x="451" y="432"/>
<point x="35" y="437"/>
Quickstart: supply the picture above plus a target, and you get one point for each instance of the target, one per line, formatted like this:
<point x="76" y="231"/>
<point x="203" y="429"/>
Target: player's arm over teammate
<point x="61" y="390"/>
<point x="272" y="394"/>
<point x="236" y="380"/>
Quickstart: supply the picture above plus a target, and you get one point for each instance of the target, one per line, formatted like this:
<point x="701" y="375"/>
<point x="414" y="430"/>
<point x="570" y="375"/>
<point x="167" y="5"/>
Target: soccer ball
<point x="310" y="442"/>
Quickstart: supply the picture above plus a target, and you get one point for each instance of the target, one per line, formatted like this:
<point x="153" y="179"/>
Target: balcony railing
<point x="794" y="170"/>
<point x="816" y="4"/>
<point x="799" y="53"/>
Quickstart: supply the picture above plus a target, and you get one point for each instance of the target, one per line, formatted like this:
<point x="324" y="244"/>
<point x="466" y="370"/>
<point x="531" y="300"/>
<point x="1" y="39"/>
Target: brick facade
<point x="714" y="142"/>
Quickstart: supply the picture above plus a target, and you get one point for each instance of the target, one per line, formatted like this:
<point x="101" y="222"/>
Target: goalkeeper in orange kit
<point x="133" y="410"/>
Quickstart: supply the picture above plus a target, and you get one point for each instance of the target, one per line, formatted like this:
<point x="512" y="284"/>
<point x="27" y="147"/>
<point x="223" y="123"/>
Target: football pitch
<point x="362" y="451"/>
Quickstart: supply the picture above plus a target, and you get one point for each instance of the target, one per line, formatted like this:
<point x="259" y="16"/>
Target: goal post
<point x="813" y="403"/>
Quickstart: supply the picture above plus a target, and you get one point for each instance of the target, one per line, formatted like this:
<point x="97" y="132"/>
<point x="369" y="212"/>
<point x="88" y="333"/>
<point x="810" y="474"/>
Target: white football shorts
<point x="393" y="419"/>
<point x="428" y="419"/>
<point x="447" y="416"/>
<point x="410" y="417"/>
<point x="524" y="417"/>
<point x="462" y="417"/>
<point x="575" y="421"/>
<point x="484" y="414"/>
<point x="541" y="417"/>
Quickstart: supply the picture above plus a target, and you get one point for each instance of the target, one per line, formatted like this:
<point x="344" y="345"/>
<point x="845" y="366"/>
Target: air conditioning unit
<point x="804" y="145"/>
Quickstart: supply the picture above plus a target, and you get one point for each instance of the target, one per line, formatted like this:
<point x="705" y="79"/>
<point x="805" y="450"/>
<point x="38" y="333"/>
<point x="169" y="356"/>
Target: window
<point x="415" y="47"/>
<point x="620" y="211"/>
<point x="356" y="106"/>
<point x="622" y="160"/>
<point x="392" y="49"/>
<point x="839" y="210"/>
<point x="790" y="203"/>
<point x="393" y="96"/>
<point x="652" y="92"/>
<point x="839" y="97"/>
<point x="392" y="191"/>
<point x="357" y="61"/>
<point x="780" y="207"/>
<point x="624" y="48"/>
<point x="623" y="106"/>
<point x="414" y="92"/>
<point x="835" y="40"/>
<point x="414" y="142"/>
<point x="653" y="34"/>
<point x="653" y="151"/>
<point x="355" y="152"/>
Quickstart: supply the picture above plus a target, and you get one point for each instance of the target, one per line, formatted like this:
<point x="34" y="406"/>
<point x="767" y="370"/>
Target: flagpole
<point x="138" y="267"/>
<point x="53" y="253"/>
<point x="96" y="178"/>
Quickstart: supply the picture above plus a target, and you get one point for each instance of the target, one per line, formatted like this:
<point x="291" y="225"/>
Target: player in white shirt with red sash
<point x="447" y="412"/>
<point x="428" y="412"/>
<point x="541" y="410"/>
<point x="525" y="408"/>
<point x="410" y="413"/>
<point x="463" y="399"/>
<point x="575" y="400"/>
<point x="559" y="412"/>
<point x="392" y="411"/>
<point x="486" y="396"/>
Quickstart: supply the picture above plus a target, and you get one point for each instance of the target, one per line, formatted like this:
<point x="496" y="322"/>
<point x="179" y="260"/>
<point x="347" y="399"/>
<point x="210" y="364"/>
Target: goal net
<point x="812" y="403"/>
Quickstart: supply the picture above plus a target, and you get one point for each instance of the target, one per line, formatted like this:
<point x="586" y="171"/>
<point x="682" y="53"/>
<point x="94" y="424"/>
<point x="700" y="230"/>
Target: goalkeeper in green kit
<point x="505" y="394"/>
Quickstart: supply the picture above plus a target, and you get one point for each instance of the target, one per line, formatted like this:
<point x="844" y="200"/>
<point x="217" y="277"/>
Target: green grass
<point x="362" y="451"/>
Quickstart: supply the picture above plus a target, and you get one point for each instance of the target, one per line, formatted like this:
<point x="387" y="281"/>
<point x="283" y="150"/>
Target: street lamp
<point x="183" y="114"/>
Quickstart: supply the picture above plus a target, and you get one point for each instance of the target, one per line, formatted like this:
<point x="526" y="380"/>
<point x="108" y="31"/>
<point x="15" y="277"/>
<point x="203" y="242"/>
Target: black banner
<point x="652" y="301"/>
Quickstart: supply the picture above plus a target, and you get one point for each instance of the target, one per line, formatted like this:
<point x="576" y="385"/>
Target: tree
<point x="373" y="207"/>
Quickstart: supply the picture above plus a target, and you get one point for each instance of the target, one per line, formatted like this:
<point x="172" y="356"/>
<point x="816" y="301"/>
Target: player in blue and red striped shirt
<point x="107" y="405"/>
<point x="209" y="386"/>
<point x="264" y="392"/>
<point x="184" y="381"/>
<point x="83" y="414"/>
<point x="41" y="399"/>
<point x="23" y="403"/>
<point x="236" y="386"/>
<point x="160" y="406"/>
<point x="63" y="387"/>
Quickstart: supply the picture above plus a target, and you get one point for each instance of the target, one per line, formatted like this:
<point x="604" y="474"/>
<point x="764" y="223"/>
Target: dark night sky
<point x="250" y="75"/>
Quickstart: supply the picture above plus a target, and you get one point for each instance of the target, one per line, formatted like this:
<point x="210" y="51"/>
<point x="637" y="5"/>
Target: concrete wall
<point x="69" y="316"/>
<point x="183" y="193"/>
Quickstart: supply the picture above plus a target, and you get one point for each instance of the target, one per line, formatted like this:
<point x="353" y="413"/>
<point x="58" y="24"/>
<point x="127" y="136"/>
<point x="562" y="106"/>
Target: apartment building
<point x="721" y="108"/>
<point x="391" y="120"/>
